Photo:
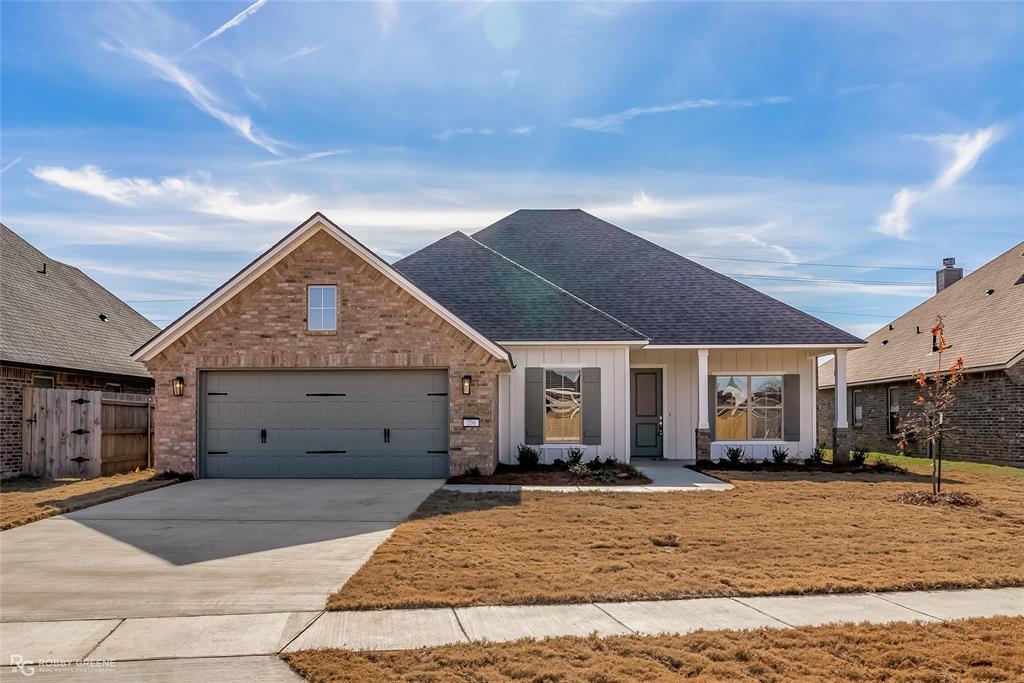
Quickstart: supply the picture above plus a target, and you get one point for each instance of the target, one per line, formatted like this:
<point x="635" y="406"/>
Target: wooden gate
<point x="85" y="434"/>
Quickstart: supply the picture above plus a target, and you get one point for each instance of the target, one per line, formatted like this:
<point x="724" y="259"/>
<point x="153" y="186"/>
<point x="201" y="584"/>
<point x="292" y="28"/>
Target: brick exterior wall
<point x="989" y="414"/>
<point x="380" y="325"/>
<point x="14" y="379"/>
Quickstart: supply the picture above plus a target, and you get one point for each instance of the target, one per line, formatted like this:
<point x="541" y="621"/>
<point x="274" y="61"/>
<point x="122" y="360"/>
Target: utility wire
<point x="829" y="280"/>
<point x="809" y="263"/>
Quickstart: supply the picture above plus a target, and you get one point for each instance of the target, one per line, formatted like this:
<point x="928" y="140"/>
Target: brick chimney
<point x="948" y="274"/>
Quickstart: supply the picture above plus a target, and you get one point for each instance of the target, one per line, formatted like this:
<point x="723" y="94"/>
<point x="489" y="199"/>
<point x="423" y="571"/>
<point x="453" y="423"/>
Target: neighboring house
<point x="59" y="329"/>
<point x="552" y="328"/>
<point x="984" y="322"/>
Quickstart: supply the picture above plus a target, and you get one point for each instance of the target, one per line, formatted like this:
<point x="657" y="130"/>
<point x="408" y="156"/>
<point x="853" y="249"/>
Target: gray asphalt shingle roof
<point x="668" y="298"/>
<point x="503" y="300"/>
<point x="54" y="319"/>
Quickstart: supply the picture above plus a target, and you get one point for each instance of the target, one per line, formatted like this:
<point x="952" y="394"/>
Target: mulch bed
<point x="550" y="475"/>
<point x="949" y="498"/>
<point x="796" y="466"/>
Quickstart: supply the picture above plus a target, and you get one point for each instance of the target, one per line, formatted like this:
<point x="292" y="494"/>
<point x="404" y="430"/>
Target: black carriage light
<point x="467" y="384"/>
<point x="178" y="386"/>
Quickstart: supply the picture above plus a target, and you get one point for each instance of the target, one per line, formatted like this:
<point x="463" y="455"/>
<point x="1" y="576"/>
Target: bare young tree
<point x="926" y="418"/>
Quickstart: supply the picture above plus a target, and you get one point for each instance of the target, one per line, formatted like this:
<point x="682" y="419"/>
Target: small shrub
<point x="527" y="456"/>
<point x="473" y="471"/>
<point x="666" y="540"/>
<point x="574" y="455"/>
<point x="779" y="454"/>
<point x="579" y="470"/>
<point x="883" y="464"/>
<point x="734" y="454"/>
<point x="607" y="476"/>
<point x="817" y="455"/>
<point x="858" y="456"/>
<point x="704" y="464"/>
<point x="595" y="464"/>
<point x="559" y="464"/>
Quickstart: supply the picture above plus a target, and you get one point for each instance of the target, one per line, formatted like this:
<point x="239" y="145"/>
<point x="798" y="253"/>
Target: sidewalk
<point x="251" y="635"/>
<point x="666" y="476"/>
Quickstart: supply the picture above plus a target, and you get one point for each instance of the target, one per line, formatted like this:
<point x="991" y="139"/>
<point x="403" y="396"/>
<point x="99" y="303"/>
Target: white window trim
<point x="854" y="422"/>
<point x="782" y="410"/>
<point x="562" y="366"/>
<point x="52" y="378"/>
<point x="309" y="292"/>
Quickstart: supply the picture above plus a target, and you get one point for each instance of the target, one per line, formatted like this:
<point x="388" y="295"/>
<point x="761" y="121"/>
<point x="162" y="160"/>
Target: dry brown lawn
<point x="25" y="499"/>
<point x="773" y="533"/>
<point x="969" y="650"/>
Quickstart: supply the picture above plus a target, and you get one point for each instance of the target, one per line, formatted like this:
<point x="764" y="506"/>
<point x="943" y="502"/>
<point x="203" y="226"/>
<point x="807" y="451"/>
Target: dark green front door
<point x="646" y="424"/>
<point x="320" y="423"/>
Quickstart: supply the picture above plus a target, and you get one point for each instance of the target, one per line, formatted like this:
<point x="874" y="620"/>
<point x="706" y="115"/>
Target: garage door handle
<point x="263" y="436"/>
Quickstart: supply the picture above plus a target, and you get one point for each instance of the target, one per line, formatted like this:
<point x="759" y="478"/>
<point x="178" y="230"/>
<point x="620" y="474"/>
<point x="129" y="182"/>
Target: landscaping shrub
<point x="734" y="454"/>
<point x="595" y="464"/>
<point x="607" y="476"/>
<point x="473" y="471"/>
<point x="817" y="455"/>
<point x="574" y="455"/>
<point x="527" y="456"/>
<point x="779" y="454"/>
<point x="858" y="456"/>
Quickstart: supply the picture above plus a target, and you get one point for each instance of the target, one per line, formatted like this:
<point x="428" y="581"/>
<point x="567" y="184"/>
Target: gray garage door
<point x="346" y="423"/>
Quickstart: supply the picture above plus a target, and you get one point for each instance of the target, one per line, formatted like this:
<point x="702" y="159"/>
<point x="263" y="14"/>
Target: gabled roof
<point x="503" y="299"/>
<point x="670" y="299"/>
<point x="986" y="329"/>
<point x="314" y="224"/>
<point x="53" y="319"/>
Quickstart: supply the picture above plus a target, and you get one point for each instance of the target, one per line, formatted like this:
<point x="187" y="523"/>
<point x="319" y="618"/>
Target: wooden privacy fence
<point x="86" y="434"/>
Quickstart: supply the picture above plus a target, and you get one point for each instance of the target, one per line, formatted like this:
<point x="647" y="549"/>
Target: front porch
<point x="693" y="403"/>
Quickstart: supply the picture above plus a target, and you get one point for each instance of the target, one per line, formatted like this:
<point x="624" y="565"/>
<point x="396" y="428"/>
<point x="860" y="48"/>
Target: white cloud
<point x="238" y="19"/>
<point x="11" y="165"/>
<point x="189" y="277"/>
<point x="511" y="77"/>
<point x="387" y="14"/>
<point x="196" y="194"/>
<point x="521" y="130"/>
<point x="966" y="149"/>
<point x="610" y="123"/>
<point x="312" y="156"/>
<point x="202" y="98"/>
<point x="301" y="52"/>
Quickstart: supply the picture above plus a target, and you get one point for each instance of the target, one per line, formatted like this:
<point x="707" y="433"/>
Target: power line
<point x="809" y="263"/>
<point x="860" y="315"/>
<point x="815" y="279"/>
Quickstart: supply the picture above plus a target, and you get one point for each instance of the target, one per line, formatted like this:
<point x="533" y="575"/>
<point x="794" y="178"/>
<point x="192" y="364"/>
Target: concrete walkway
<point x="250" y="637"/>
<point x="666" y="476"/>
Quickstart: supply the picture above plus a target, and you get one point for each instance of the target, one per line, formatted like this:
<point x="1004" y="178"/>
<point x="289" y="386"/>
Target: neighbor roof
<point x="671" y="300"/>
<point x="53" y="319"/>
<point x="985" y="329"/>
<point x="503" y="299"/>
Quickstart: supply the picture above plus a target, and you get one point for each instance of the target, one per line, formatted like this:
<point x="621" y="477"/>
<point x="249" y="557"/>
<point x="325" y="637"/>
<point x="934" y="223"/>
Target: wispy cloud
<point x="312" y="156"/>
<point x="201" y="96"/>
<point x="449" y="133"/>
<point x="856" y="89"/>
<point x="387" y="14"/>
<point x="521" y="130"/>
<point x="196" y="193"/>
<point x="11" y="165"/>
<point x="612" y="123"/>
<point x="301" y="52"/>
<point x="966" y="149"/>
<point x="238" y="19"/>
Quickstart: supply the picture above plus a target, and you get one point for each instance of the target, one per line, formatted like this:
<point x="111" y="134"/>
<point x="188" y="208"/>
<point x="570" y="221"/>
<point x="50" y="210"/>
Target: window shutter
<point x="591" y="405"/>
<point x="712" y="407"/>
<point x="534" y="413"/>
<point x="791" y="407"/>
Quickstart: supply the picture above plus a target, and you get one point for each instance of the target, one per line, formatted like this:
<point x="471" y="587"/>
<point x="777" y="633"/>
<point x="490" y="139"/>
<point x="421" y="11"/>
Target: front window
<point x="748" y="407"/>
<point x="42" y="381"/>
<point x="323" y="312"/>
<point x="563" y="406"/>
<point x="894" y="409"/>
<point x="858" y="408"/>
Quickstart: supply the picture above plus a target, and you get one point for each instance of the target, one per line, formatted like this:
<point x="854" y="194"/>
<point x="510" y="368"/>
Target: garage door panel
<point x="308" y="420"/>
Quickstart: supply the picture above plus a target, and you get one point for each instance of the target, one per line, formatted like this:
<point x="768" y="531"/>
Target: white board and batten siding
<point x="614" y="364"/>
<point x="680" y="377"/>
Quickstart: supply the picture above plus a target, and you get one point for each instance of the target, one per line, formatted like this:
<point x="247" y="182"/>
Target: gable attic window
<point x="563" y="406"/>
<point x="322" y="310"/>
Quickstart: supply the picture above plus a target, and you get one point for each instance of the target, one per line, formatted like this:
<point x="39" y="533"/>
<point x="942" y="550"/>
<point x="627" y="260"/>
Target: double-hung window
<point x="322" y="313"/>
<point x="858" y="408"/>
<point x="563" y="406"/>
<point x="893" y="394"/>
<point x="748" y="407"/>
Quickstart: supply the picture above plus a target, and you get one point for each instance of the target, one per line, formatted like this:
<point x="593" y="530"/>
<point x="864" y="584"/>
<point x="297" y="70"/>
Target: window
<point x="42" y="381"/>
<point x="111" y="386"/>
<point x="894" y="409"/>
<point x="323" y="312"/>
<point x="858" y="408"/>
<point x="563" y="406"/>
<point x="748" y="407"/>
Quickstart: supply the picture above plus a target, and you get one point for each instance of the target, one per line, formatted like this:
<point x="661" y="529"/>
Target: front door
<point x="646" y="425"/>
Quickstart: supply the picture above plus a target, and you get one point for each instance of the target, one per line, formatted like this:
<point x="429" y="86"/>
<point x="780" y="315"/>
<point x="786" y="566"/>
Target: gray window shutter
<point x="591" y="405"/>
<point x="534" y="412"/>
<point x="791" y="407"/>
<point x="712" y="410"/>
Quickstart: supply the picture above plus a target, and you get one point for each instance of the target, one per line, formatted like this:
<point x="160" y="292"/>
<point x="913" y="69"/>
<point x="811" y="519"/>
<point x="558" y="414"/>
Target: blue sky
<point x="162" y="146"/>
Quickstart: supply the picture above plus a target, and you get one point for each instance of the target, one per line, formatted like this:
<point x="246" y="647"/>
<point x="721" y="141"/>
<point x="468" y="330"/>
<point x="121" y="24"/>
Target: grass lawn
<point x="969" y="650"/>
<point x="26" y="499"/>
<point x="775" y="532"/>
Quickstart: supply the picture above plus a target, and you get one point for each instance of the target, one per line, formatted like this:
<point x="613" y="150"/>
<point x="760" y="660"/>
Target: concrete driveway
<point x="209" y="547"/>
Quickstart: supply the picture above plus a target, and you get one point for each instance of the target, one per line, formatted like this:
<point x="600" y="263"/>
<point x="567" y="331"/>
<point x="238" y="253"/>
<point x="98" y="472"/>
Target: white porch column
<point x="840" y="370"/>
<point x="702" y="389"/>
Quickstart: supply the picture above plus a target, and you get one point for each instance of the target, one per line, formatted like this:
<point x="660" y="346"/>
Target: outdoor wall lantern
<point x="467" y="384"/>
<point x="178" y="386"/>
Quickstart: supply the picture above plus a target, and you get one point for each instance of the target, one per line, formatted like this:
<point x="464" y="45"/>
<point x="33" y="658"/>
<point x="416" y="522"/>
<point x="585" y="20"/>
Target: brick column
<point x="703" y="444"/>
<point x="840" y="445"/>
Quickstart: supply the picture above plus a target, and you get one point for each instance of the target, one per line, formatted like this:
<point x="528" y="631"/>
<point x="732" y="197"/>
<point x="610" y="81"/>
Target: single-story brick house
<point x="552" y="328"/>
<point x="983" y="315"/>
<point x="59" y="329"/>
